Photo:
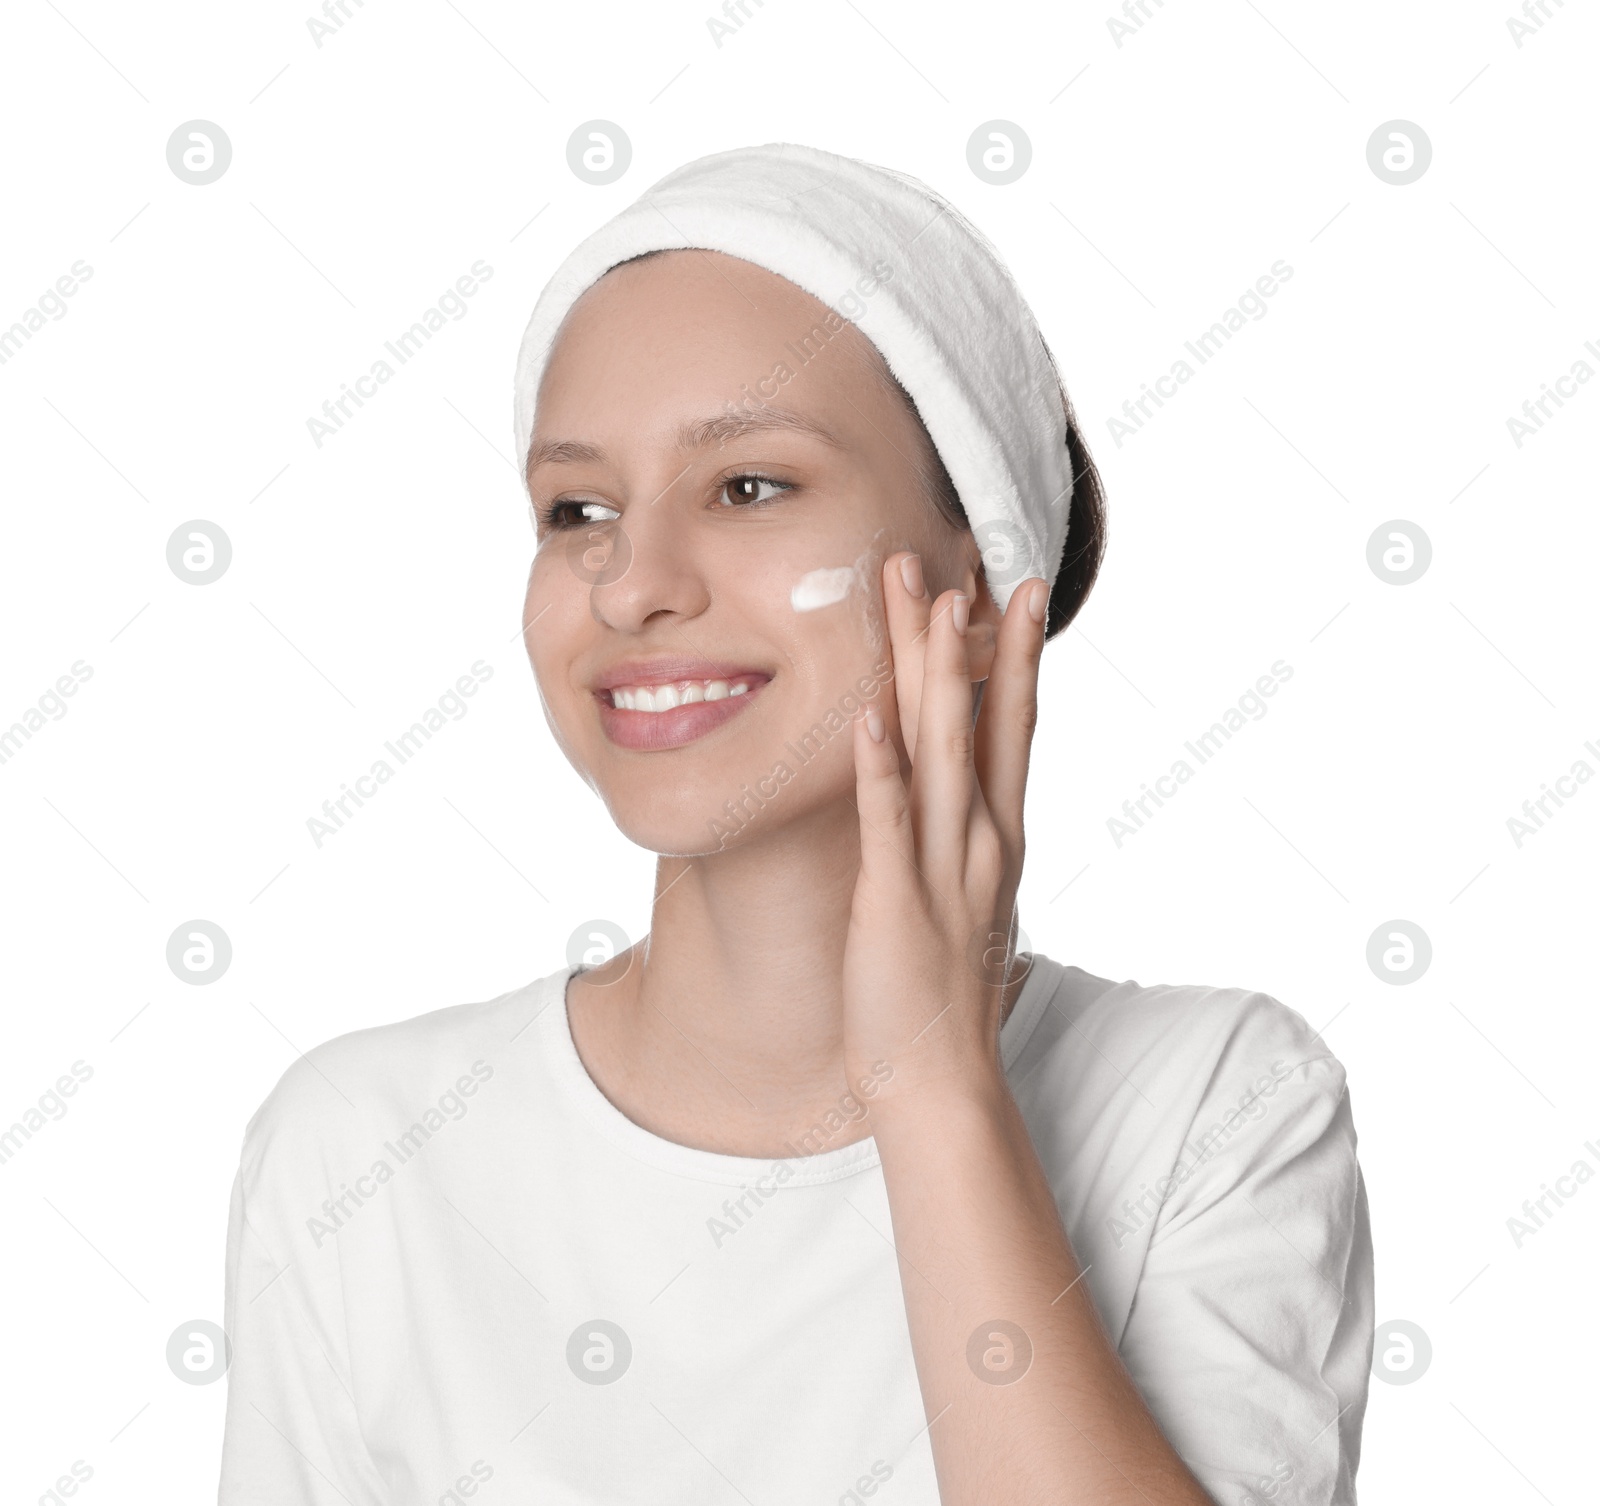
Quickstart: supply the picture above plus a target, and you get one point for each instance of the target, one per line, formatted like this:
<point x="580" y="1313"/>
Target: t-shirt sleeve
<point x="292" y="1436"/>
<point x="1250" y="1332"/>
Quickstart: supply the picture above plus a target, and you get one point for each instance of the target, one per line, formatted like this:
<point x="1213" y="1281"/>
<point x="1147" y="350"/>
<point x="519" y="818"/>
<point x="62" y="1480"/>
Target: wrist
<point x="920" y="1093"/>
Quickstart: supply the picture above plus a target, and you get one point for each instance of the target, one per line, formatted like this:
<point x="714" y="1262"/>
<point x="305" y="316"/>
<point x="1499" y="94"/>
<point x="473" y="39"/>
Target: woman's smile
<point x="648" y="705"/>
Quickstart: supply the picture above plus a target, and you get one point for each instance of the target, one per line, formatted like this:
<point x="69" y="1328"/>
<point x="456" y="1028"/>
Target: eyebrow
<point x="695" y="434"/>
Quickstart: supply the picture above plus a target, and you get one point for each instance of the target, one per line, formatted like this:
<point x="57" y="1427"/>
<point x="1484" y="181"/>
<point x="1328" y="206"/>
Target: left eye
<point x="742" y="491"/>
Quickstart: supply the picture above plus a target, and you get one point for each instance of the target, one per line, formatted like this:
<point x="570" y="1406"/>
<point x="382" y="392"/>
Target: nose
<point x="642" y="568"/>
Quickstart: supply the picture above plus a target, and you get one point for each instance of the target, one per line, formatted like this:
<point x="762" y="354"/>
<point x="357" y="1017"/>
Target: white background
<point x="368" y="574"/>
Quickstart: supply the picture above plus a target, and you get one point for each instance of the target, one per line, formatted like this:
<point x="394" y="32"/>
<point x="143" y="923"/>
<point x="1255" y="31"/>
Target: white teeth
<point x="667" y="697"/>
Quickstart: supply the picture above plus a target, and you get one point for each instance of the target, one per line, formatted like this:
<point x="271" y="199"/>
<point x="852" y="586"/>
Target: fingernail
<point x="911" y="574"/>
<point x="874" y="725"/>
<point x="1038" y="601"/>
<point x="958" y="612"/>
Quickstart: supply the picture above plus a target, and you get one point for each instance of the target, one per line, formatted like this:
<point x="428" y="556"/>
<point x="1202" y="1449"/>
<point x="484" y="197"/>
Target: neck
<point x="724" y="1029"/>
<point x="750" y="942"/>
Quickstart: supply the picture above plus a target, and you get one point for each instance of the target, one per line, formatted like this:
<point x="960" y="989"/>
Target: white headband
<point x="914" y="275"/>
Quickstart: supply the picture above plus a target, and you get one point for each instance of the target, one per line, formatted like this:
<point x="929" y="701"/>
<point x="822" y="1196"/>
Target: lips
<point x="650" y="705"/>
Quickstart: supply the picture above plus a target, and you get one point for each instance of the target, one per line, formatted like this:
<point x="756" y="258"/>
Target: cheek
<point x="838" y="653"/>
<point x="825" y="611"/>
<point x="556" y="623"/>
<point x="840" y="603"/>
<point x="944" y="563"/>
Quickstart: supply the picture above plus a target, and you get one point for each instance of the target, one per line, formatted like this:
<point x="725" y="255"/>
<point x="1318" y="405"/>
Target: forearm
<point x="981" y="1244"/>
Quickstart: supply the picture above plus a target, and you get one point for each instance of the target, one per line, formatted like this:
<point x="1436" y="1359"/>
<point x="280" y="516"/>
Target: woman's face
<point x="718" y="471"/>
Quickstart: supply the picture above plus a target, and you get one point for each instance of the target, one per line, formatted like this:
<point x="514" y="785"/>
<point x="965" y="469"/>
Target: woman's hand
<point x="982" y="1248"/>
<point x="929" y="946"/>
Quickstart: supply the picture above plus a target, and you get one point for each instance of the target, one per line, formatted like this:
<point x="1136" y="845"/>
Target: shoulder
<point x="364" y="1083"/>
<point x="1181" y="1054"/>
<point x="1187" y="1112"/>
<point x="1211" y="1186"/>
<point x="1181" y="1028"/>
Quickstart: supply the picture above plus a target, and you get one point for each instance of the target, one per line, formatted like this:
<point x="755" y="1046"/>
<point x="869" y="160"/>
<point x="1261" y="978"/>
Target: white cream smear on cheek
<point x="828" y="587"/>
<point x="822" y="588"/>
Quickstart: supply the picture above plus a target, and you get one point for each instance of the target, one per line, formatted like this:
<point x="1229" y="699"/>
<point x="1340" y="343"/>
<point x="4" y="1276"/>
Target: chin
<point x="702" y="817"/>
<point x="701" y="822"/>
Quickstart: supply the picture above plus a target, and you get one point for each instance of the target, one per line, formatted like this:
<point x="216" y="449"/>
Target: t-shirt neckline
<point x="716" y="1166"/>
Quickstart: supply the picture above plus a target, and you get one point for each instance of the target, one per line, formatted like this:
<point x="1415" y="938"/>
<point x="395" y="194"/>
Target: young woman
<point x="819" y="1193"/>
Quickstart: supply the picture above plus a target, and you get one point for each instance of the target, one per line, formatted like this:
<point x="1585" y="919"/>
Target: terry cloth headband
<point x="942" y="309"/>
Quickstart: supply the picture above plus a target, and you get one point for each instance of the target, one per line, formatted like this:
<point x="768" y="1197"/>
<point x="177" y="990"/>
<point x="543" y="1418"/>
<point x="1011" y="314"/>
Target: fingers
<point x="1011" y="708"/>
<point x="941" y="778"/>
<point x="906" y="606"/>
<point x="888" y="845"/>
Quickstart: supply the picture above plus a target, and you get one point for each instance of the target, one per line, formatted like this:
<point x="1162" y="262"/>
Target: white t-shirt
<point x="455" y="1268"/>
